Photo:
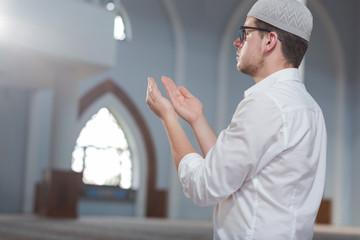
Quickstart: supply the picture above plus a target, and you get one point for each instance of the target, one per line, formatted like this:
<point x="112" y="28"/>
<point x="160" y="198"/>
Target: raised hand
<point x="184" y="103"/>
<point x="157" y="103"/>
<point x="179" y="143"/>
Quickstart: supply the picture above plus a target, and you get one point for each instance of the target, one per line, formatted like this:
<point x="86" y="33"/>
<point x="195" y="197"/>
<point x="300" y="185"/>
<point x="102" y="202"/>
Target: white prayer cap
<point x="288" y="15"/>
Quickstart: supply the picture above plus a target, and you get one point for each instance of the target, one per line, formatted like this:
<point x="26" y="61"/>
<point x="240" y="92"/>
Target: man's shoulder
<point x="267" y="98"/>
<point x="292" y="95"/>
<point x="259" y="103"/>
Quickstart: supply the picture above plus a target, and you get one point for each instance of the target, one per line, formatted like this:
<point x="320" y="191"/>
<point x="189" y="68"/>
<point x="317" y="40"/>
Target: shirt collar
<point x="269" y="81"/>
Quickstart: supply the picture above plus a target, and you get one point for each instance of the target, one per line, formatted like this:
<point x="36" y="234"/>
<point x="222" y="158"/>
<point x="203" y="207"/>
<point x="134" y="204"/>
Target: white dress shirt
<point x="266" y="172"/>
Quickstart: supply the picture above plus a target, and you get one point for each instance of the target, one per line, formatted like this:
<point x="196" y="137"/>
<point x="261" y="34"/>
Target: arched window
<point x="102" y="152"/>
<point x="121" y="29"/>
<point x="148" y="177"/>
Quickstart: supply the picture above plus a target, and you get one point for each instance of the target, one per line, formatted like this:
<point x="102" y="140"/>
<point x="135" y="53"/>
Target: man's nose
<point x="237" y="43"/>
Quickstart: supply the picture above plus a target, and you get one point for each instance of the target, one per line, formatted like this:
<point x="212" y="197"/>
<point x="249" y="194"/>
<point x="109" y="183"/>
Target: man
<point x="266" y="171"/>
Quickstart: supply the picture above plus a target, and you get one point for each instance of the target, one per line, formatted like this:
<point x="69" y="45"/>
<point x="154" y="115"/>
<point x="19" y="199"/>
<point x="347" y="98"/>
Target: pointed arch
<point x="156" y="200"/>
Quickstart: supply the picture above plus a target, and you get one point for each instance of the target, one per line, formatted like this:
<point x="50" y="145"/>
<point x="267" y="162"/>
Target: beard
<point x="251" y="69"/>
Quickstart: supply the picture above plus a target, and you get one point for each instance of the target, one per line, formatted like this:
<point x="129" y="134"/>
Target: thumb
<point x="185" y="92"/>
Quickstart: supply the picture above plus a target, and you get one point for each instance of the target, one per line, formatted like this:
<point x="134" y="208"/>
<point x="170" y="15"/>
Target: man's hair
<point x="293" y="47"/>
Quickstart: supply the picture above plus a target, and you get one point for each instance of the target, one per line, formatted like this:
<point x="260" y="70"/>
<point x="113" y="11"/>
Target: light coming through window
<point x="102" y="152"/>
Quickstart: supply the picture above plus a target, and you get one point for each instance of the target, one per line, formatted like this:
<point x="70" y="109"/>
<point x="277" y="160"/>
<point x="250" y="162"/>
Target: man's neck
<point x="267" y="71"/>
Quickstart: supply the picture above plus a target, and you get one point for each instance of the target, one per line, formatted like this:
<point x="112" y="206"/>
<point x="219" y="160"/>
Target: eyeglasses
<point x="242" y="33"/>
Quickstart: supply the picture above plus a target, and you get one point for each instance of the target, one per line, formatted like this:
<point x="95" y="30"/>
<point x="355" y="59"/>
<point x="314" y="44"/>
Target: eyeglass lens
<point x="241" y="34"/>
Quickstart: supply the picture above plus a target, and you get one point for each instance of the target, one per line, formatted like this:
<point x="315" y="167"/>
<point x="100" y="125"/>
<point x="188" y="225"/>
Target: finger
<point x="149" y="88"/>
<point x="185" y="92"/>
<point x="154" y="91"/>
<point x="151" y="83"/>
<point x="171" y="89"/>
<point x="169" y="82"/>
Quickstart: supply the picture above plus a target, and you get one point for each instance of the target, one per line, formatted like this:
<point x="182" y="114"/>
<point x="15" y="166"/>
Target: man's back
<point x="283" y="189"/>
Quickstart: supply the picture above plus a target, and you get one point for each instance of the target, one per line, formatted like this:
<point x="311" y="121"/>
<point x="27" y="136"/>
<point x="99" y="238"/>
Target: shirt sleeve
<point x="254" y="137"/>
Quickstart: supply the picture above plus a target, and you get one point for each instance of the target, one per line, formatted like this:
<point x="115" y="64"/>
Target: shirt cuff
<point x="185" y="160"/>
<point x="188" y="169"/>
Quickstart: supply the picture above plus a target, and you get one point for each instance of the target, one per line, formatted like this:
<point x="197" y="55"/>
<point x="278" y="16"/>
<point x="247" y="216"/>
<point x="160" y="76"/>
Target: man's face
<point x="249" y="51"/>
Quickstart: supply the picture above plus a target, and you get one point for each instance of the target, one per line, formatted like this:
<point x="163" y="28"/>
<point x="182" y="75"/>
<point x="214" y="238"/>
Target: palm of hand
<point x="185" y="104"/>
<point x="157" y="103"/>
<point x="188" y="107"/>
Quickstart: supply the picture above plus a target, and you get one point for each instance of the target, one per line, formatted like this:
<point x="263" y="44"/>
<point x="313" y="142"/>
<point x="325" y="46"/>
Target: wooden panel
<point x="57" y="194"/>
<point x="157" y="204"/>
<point x="325" y="212"/>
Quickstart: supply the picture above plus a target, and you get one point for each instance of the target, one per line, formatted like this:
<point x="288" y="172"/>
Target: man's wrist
<point x="198" y="122"/>
<point x="168" y="118"/>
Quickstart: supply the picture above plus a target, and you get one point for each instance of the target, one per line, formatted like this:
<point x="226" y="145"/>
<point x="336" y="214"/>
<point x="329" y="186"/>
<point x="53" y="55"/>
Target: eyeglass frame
<point x="242" y="30"/>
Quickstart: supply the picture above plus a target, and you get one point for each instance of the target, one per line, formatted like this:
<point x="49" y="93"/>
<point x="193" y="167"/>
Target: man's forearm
<point x="179" y="142"/>
<point x="204" y="134"/>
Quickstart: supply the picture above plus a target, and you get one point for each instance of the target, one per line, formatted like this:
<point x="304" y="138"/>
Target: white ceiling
<point x="40" y="40"/>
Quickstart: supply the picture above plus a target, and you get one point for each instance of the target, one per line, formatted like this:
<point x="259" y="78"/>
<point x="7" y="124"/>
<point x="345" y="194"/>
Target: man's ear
<point x="271" y="40"/>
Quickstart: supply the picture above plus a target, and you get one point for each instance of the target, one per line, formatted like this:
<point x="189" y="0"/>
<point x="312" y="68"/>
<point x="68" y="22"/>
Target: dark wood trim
<point x="325" y="212"/>
<point x="156" y="200"/>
